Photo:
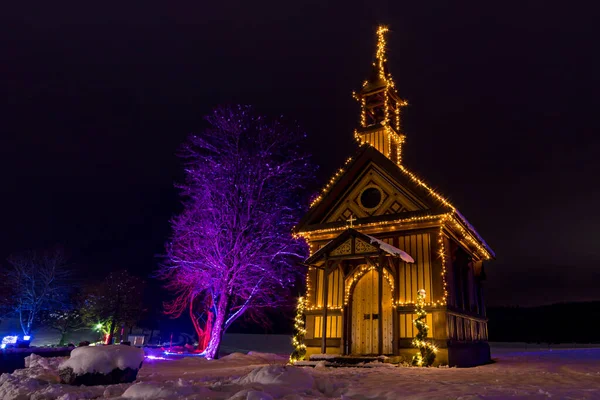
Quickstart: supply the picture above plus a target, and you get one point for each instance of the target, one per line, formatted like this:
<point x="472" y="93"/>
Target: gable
<point x="402" y="193"/>
<point x="403" y="197"/>
<point x="373" y="193"/>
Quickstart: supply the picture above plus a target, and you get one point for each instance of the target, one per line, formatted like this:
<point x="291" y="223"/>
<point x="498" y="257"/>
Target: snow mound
<point x="270" y="357"/>
<point x="234" y="357"/>
<point x="15" y="387"/>
<point x="150" y="391"/>
<point x="316" y="357"/>
<point x="103" y="359"/>
<point x="37" y="363"/>
<point x="253" y="357"/>
<point x="290" y="377"/>
<point x="19" y="387"/>
<point x="247" y="394"/>
<point x="39" y="369"/>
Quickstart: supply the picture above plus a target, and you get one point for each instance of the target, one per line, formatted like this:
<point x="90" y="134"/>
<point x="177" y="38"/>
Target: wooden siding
<point x="334" y="326"/>
<point x="335" y="288"/>
<point x="335" y="291"/>
<point x="379" y="140"/>
<point x="466" y="329"/>
<point x="310" y="327"/>
<point x="388" y="325"/>
<point x="413" y="277"/>
<point x="407" y="327"/>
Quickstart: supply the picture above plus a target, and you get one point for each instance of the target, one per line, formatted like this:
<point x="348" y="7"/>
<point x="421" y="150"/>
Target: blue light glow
<point x="151" y="357"/>
<point x="172" y="353"/>
<point x="9" y="340"/>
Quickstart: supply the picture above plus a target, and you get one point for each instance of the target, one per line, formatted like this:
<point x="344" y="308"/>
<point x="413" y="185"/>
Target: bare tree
<point x="66" y="318"/>
<point x="39" y="280"/>
<point x="6" y="296"/>
<point x="116" y="302"/>
<point x="232" y="250"/>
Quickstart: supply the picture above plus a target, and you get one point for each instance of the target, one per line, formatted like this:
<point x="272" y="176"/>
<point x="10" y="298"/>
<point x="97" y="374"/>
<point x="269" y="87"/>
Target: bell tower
<point x="380" y="107"/>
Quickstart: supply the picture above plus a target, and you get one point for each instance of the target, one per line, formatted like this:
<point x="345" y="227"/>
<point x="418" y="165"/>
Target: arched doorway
<point x="365" y="315"/>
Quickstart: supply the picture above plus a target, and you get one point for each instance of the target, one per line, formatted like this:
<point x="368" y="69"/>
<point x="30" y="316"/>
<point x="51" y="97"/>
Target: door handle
<point x="367" y="316"/>
<point x="375" y="316"/>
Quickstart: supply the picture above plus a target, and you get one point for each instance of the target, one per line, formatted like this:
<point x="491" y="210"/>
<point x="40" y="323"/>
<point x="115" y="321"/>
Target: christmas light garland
<point x="396" y="104"/>
<point x="332" y="180"/>
<point x="427" y="350"/>
<point x="299" y="333"/>
<point x="351" y="281"/>
<point x="450" y="220"/>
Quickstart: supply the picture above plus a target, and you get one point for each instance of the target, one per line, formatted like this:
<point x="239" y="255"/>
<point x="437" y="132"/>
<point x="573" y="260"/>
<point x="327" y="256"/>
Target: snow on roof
<point x="472" y="229"/>
<point x="388" y="248"/>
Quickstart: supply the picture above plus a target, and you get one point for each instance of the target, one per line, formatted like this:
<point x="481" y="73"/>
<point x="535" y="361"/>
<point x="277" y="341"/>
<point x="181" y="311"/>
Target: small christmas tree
<point x="426" y="354"/>
<point x="299" y="332"/>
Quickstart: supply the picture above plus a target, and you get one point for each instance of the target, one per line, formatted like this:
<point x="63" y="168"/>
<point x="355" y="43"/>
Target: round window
<point x="370" y="197"/>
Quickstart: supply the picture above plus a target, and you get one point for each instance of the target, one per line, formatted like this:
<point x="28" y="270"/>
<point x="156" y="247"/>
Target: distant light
<point x="3" y="346"/>
<point x="98" y="326"/>
<point x="151" y="357"/>
<point x="181" y="353"/>
<point x="9" y="339"/>
<point x="26" y="337"/>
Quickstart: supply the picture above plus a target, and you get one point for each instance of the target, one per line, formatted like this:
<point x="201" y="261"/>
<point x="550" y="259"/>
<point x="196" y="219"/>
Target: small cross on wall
<point x="351" y="220"/>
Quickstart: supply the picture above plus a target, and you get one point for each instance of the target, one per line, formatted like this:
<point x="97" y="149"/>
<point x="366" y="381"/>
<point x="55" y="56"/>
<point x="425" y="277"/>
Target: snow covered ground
<point x="524" y="372"/>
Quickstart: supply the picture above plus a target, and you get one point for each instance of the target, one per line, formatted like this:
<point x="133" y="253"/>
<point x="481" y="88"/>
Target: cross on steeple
<point x="351" y="220"/>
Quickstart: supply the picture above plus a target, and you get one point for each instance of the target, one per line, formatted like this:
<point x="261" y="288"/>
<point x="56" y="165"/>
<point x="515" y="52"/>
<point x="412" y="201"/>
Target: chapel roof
<point x="366" y="154"/>
<point x="435" y="205"/>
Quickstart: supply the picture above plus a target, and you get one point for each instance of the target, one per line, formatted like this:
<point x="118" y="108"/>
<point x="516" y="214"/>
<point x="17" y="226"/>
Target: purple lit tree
<point x="232" y="251"/>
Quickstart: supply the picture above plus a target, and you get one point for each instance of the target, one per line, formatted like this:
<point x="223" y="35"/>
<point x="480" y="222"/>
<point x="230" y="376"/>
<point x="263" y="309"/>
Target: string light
<point x="442" y="255"/>
<point x="391" y="104"/>
<point x="329" y="308"/>
<point x="331" y="182"/>
<point x="363" y="113"/>
<point x="389" y="133"/>
<point x="393" y="136"/>
<point x="299" y="333"/>
<point x="427" y="350"/>
<point x="380" y="55"/>
<point x="444" y="220"/>
<point x="307" y="234"/>
<point x="308" y="287"/>
<point x="351" y="281"/>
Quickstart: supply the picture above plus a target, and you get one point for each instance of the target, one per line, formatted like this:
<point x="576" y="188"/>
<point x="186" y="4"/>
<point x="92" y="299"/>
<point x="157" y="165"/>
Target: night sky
<point x="503" y="118"/>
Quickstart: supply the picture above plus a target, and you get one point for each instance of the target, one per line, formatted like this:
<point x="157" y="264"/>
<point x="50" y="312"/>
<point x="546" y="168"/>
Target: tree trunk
<point x="63" y="336"/>
<point x="21" y="322"/>
<point x="218" y="328"/>
<point x="26" y="325"/>
<point x="113" y="321"/>
<point x="111" y="329"/>
<point x="203" y="344"/>
<point x="201" y="333"/>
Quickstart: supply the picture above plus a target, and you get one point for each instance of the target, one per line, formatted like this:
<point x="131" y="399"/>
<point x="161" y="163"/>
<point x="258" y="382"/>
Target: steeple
<point x="380" y="107"/>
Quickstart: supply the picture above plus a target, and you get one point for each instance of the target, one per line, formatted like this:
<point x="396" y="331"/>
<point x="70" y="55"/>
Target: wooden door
<point x="365" y="316"/>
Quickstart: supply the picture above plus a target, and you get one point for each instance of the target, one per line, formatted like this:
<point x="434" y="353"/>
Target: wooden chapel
<point x="378" y="234"/>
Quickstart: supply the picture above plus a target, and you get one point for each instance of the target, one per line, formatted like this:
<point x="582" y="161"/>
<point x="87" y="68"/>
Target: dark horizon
<point x="501" y="120"/>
